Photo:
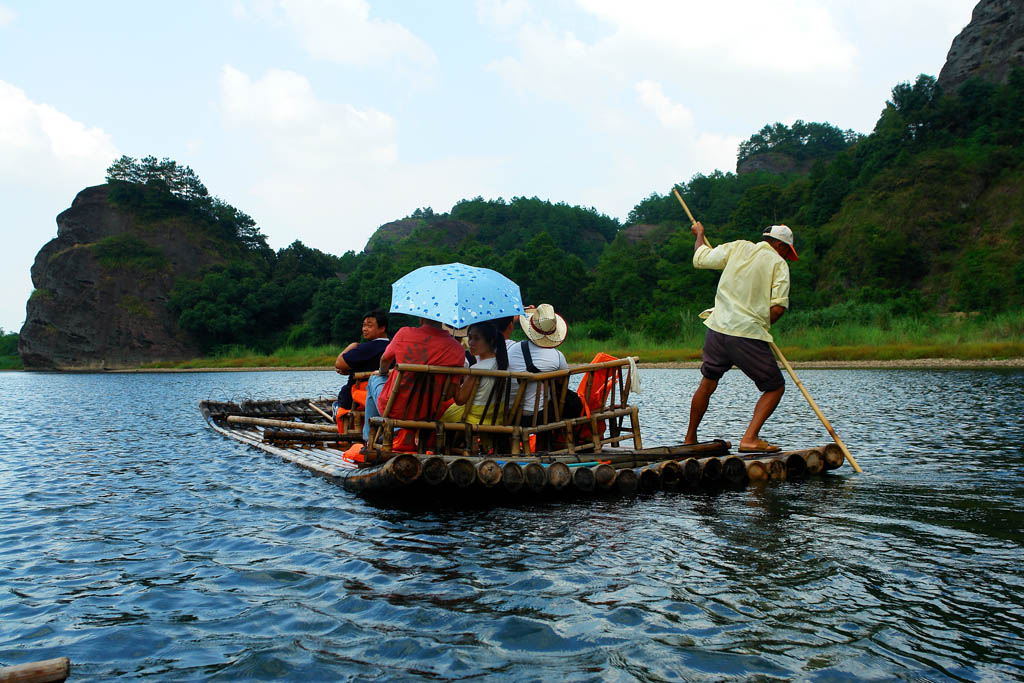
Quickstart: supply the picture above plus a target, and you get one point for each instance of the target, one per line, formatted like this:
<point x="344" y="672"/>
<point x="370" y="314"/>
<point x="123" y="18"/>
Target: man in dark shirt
<point x="364" y="357"/>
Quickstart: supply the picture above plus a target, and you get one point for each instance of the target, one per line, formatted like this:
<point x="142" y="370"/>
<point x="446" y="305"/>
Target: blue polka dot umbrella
<point x="456" y="294"/>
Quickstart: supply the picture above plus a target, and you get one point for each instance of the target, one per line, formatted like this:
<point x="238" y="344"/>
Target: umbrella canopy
<point x="456" y="294"/>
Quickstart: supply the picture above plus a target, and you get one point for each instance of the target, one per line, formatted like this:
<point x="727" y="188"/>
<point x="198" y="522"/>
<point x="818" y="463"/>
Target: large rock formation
<point x="989" y="47"/>
<point x="101" y="288"/>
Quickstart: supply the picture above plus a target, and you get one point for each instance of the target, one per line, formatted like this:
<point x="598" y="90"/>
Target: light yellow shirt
<point x="754" y="278"/>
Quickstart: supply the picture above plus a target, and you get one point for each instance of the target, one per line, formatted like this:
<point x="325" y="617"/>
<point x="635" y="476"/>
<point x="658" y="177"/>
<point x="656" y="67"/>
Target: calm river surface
<point x="141" y="544"/>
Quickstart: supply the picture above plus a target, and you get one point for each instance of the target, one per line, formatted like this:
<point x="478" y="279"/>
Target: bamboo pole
<point x="626" y="481"/>
<point x="45" y="671"/>
<point x="814" y="407"/>
<point x="400" y="470"/>
<point x="789" y="368"/>
<point x="734" y="471"/>
<point x="461" y="472"/>
<point x="604" y="476"/>
<point x="583" y="478"/>
<point x="434" y="470"/>
<point x="283" y="424"/>
<point x="512" y="477"/>
<point x="488" y="473"/>
<point x="536" y="476"/>
<point x="328" y="417"/>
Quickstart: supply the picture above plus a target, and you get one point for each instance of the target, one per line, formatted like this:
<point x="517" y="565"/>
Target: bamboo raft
<point x="299" y="431"/>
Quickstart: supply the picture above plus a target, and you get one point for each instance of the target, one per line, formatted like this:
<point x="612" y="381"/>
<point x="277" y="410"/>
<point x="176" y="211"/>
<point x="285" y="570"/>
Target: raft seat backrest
<point x="425" y="404"/>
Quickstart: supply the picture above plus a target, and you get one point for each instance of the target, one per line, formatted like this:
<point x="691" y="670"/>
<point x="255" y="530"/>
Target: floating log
<point x="398" y="471"/>
<point x="734" y="472"/>
<point x="45" y="671"/>
<point x="535" y="475"/>
<point x="626" y="482"/>
<point x="488" y="472"/>
<point x="434" y="470"/>
<point x="583" y="478"/>
<point x="638" y="458"/>
<point x="559" y="475"/>
<point x="691" y="473"/>
<point x="604" y="476"/>
<point x="461" y="472"/>
<point x="776" y="469"/>
<point x="512" y="477"/>
<point x="832" y="455"/>
<point x="283" y="424"/>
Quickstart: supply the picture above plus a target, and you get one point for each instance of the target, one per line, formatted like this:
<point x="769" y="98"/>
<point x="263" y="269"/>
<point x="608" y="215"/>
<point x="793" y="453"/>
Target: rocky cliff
<point x="990" y="46"/>
<point x="101" y="288"/>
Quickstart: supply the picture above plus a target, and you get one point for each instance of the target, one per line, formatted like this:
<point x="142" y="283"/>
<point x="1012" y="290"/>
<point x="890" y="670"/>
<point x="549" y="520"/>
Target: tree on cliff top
<point x="801" y="140"/>
<point x="162" y="188"/>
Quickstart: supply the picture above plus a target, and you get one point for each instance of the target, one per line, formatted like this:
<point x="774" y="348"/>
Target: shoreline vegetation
<point x="806" y="338"/>
<point x="956" y="340"/>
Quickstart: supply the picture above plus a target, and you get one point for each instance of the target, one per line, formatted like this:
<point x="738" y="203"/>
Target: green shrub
<point x="127" y="251"/>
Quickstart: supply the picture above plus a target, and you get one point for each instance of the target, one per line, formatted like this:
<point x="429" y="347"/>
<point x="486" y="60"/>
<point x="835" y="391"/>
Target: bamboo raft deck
<point x="299" y="432"/>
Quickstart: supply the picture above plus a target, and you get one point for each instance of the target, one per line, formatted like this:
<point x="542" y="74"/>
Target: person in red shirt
<point x="427" y="344"/>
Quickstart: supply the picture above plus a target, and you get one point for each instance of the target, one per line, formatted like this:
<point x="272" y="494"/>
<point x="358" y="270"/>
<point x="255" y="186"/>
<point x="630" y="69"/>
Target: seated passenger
<point x="427" y="344"/>
<point x="364" y="357"/>
<point x="488" y="346"/>
<point x="544" y="331"/>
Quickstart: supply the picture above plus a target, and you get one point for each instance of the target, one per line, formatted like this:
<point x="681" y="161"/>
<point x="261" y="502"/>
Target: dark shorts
<point x="753" y="356"/>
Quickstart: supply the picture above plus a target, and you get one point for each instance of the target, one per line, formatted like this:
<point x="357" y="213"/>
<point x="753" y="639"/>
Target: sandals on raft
<point x="761" y="447"/>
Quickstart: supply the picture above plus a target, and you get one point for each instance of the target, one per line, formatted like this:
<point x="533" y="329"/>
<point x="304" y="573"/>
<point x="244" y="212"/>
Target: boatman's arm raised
<point x="704" y="257"/>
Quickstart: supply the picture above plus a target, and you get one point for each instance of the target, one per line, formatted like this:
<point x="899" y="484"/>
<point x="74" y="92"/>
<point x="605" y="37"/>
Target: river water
<point x="141" y="544"/>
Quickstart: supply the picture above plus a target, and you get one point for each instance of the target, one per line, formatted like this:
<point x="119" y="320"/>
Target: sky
<point x="324" y="119"/>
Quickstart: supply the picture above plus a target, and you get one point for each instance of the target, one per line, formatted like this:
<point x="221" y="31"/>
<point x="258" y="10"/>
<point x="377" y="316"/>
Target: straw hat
<point x="543" y="326"/>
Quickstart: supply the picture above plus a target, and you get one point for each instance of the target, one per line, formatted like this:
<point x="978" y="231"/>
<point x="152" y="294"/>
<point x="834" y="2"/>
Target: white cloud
<point x="282" y="111"/>
<point x="670" y="114"/>
<point x="7" y="15"/>
<point x="42" y="146"/>
<point x="324" y="172"/>
<point x="343" y="32"/>
<point x="503" y="12"/>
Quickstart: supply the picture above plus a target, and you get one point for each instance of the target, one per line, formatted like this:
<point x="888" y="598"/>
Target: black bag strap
<point x="525" y="346"/>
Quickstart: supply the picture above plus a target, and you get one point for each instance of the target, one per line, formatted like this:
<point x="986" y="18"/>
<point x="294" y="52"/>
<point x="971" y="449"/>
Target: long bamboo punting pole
<point x="789" y="368"/>
<point x="45" y="671"/>
<point x="814" y="407"/>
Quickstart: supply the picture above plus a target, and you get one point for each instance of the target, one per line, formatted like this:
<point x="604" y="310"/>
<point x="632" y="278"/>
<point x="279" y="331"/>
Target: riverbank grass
<point x="810" y="336"/>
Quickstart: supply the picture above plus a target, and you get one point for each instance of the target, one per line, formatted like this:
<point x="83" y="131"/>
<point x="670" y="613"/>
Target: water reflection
<point x="142" y="544"/>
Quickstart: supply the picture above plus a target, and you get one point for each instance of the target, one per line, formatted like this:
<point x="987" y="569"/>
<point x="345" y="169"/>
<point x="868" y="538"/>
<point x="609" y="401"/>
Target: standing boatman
<point x="753" y="292"/>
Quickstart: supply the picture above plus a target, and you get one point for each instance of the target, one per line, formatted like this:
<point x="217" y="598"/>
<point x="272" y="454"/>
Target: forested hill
<point x="924" y="213"/>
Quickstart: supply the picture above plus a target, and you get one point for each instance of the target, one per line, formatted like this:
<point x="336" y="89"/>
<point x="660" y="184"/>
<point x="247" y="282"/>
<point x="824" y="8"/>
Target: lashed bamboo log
<point x="488" y="473"/>
<point x="512" y="477"/>
<point x="604" y="476"/>
<point x="734" y="471"/>
<point x="757" y="471"/>
<point x="559" y="475"/>
<point x="583" y="478"/>
<point x="291" y="435"/>
<point x="813" y="460"/>
<point x="691" y="473"/>
<point x="434" y="470"/>
<point x="648" y="479"/>
<point x="796" y="466"/>
<point x="710" y="471"/>
<point x="45" y="671"/>
<point x="536" y="476"/>
<point x="461" y="472"/>
<point x="283" y="424"/>
<point x="776" y="469"/>
<point x="626" y="481"/>
<point x="829" y="455"/>
<point x="671" y="473"/>
<point x="398" y="471"/>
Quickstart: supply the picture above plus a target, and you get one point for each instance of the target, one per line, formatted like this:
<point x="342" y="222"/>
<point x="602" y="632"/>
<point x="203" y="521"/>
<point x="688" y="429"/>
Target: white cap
<point x="783" y="234"/>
